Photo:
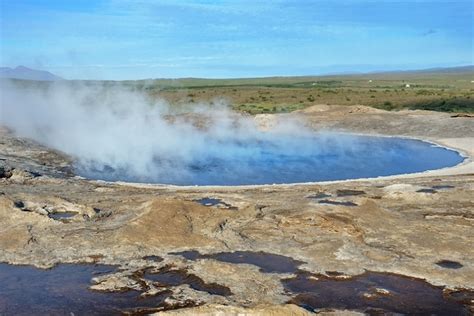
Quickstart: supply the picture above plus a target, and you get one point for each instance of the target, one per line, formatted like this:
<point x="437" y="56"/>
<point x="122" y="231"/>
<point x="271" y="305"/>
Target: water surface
<point x="376" y="293"/>
<point x="286" y="159"/>
<point x="64" y="290"/>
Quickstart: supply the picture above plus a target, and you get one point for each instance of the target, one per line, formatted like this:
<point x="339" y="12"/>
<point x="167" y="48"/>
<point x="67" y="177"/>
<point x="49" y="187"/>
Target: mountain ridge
<point x="25" y="73"/>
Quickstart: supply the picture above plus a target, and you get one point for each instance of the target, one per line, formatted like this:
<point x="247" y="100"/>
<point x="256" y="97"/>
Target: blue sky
<point x="125" y="39"/>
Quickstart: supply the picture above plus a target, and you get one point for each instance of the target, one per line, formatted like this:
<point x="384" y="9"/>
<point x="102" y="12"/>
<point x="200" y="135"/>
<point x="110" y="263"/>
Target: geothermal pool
<point x="282" y="159"/>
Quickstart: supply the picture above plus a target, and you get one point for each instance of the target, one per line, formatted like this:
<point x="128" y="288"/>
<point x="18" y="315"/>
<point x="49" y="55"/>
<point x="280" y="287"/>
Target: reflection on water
<point x="267" y="262"/>
<point x="372" y="292"/>
<point x="63" y="290"/>
<point x="376" y="294"/>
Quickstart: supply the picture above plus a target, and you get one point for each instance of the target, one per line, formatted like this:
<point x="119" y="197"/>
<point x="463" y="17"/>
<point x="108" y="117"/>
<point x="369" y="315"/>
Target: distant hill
<point x="25" y="73"/>
<point x="439" y="70"/>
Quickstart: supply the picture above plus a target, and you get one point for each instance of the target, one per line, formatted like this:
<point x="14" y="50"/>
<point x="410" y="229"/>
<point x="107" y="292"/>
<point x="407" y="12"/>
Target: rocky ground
<point x="409" y="227"/>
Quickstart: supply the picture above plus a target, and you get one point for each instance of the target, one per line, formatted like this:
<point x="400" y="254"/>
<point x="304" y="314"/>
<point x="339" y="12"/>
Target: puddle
<point x="427" y="191"/>
<point x="63" y="216"/>
<point x="19" y="204"/>
<point x="341" y="193"/>
<point x="376" y="293"/>
<point x="169" y="277"/>
<point x="208" y="201"/>
<point x="63" y="290"/>
<point x="448" y="264"/>
<point x="442" y="187"/>
<point x="267" y="262"/>
<point x="321" y="195"/>
<point x="215" y="202"/>
<point x="331" y="202"/>
<point x="190" y="254"/>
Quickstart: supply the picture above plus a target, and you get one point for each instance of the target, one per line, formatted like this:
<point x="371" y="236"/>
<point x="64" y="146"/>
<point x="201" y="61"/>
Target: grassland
<point x="448" y="90"/>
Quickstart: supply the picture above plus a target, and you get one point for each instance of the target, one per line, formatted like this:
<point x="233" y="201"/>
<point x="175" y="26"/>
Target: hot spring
<point x="115" y="133"/>
<point x="287" y="159"/>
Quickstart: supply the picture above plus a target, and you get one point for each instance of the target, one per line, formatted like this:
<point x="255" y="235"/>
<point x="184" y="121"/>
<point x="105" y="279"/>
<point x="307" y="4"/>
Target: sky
<point x="139" y="39"/>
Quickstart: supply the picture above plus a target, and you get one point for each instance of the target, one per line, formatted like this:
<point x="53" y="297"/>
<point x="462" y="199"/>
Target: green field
<point x="446" y="89"/>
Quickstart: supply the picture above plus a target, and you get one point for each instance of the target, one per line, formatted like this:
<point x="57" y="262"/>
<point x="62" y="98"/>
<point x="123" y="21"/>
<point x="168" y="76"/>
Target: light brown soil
<point x="394" y="228"/>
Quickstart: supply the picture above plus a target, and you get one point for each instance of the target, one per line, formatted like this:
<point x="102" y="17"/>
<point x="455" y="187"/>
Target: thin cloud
<point x="429" y="32"/>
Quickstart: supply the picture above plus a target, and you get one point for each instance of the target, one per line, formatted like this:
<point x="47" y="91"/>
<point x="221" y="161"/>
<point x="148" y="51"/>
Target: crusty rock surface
<point x="399" y="224"/>
<point x="213" y="310"/>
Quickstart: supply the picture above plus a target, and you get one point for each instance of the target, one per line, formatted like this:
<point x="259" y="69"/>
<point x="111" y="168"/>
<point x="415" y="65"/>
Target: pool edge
<point x="464" y="167"/>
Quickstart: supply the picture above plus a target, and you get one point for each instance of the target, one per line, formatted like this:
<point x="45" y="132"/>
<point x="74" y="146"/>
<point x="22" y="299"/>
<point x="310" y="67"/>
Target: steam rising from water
<point x="115" y="133"/>
<point x="125" y="132"/>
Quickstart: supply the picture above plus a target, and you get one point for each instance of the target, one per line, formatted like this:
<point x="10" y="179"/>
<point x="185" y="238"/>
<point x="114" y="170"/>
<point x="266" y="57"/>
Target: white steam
<point x="118" y="133"/>
<point x="115" y="133"/>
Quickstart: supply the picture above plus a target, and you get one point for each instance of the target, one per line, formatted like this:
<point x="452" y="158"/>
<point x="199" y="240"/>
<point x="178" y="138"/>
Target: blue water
<point x="64" y="290"/>
<point x="287" y="159"/>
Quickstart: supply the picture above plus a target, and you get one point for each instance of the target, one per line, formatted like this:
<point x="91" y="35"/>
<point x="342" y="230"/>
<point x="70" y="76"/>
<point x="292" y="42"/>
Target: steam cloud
<point x="116" y="133"/>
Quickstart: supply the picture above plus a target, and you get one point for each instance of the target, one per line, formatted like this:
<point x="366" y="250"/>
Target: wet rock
<point x="120" y="282"/>
<point x="169" y="276"/>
